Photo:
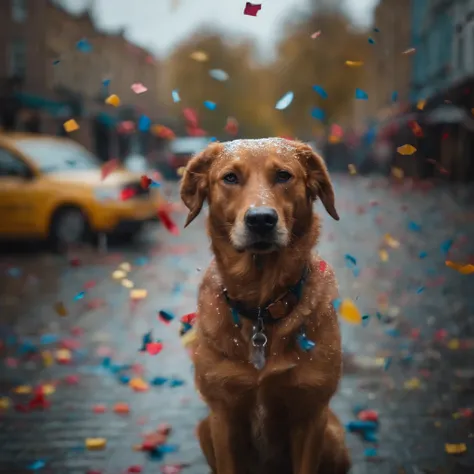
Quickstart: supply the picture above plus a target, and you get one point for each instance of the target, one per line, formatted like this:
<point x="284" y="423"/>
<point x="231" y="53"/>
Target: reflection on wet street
<point x="69" y="324"/>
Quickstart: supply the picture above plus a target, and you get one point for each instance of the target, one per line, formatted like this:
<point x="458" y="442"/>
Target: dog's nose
<point x="261" y="219"/>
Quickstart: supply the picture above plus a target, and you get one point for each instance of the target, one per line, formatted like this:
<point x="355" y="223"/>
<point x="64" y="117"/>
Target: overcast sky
<point x="159" y="25"/>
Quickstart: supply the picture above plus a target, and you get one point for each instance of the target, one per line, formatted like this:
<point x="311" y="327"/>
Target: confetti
<point x="127" y="283"/>
<point x="409" y="51"/>
<point x="455" y="448"/>
<point x="219" y="75"/>
<point x="175" y="96"/>
<point x="109" y="167"/>
<point x="37" y="465"/>
<point x="154" y="348"/>
<point x="371" y="41"/>
<point x="210" y="105"/>
<point x="394" y="96"/>
<point x="285" y="101"/>
<point x="60" y="308"/>
<point x="138" y="88"/>
<point x="145" y="182"/>
<point x="125" y="266"/>
<point x="305" y="344"/>
<point x="138" y="294"/>
<point x="464" y="269"/>
<point x="352" y="169"/>
<point x="167" y="221"/>
<point x="251" y="9"/>
<point x="113" y="100"/>
<point x="406" y="150"/>
<point x="199" y="56"/>
<point x="412" y="384"/>
<point x="354" y="63"/>
<point x="317" y="113"/>
<point x="84" y="46"/>
<point x="320" y="90"/>
<point x="421" y="104"/>
<point x="95" y="443"/>
<point x="361" y="95"/>
<point x="349" y="312"/>
<point x="118" y="275"/>
<point x="232" y="126"/>
<point x="80" y="296"/>
<point x="397" y="172"/>
<point x="144" y="123"/>
<point x="138" y="384"/>
<point x="122" y="408"/>
<point x="165" y="316"/>
<point x="391" y="242"/>
<point x="383" y="254"/>
<point x="316" y="34"/>
<point x="70" y="126"/>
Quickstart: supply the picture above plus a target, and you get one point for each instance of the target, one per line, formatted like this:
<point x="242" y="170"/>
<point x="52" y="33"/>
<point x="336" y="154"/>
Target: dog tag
<point x="259" y="341"/>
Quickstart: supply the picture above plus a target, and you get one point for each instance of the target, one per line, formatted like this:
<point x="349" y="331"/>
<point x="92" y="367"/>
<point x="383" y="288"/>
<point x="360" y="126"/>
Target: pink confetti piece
<point x="316" y="34"/>
<point x="138" y="88"/>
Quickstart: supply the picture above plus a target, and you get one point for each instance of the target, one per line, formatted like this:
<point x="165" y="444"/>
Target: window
<point x="18" y="58"/>
<point x="460" y="54"/>
<point x="11" y="166"/>
<point x="19" y="10"/>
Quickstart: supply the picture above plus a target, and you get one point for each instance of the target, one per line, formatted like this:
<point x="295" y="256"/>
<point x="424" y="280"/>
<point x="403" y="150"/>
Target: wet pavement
<point x="70" y="326"/>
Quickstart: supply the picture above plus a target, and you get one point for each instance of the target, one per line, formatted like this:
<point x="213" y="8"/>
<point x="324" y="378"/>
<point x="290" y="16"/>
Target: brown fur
<point x="277" y="420"/>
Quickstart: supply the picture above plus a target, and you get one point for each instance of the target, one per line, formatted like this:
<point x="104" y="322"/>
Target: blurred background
<point x="102" y="103"/>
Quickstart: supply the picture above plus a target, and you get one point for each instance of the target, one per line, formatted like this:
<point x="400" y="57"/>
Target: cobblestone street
<point x="71" y="325"/>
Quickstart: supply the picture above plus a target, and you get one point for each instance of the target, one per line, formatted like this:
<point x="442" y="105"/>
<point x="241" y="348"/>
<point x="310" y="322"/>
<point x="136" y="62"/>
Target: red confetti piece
<point x="368" y="415"/>
<point x="190" y="116"/>
<point x="109" y="167"/>
<point x="189" y="318"/>
<point x="135" y="469"/>
<point x="322" y="266"/>
<point x="154" y="348"/>
<point x="167" y="221"/>
<point x="251" y="9"/>
<point x="145" y="182"/>
<point x="99" y="409"/>
<point x="72" y="379"/>
<point x="232" y="126"/>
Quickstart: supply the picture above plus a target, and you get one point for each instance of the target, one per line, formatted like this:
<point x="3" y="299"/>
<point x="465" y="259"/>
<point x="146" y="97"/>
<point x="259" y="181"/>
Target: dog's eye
<point x="283" y="176"/>
<point x="231" y="178"/>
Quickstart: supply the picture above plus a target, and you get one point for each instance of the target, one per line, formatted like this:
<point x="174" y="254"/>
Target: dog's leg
<point x="205" y="440"/>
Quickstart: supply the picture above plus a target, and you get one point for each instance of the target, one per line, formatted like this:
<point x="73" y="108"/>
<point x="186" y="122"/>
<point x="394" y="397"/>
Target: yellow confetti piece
<point x="63" y="354"/>
<point x="421" y="104"/>
<point x="409" y="51"/>
<point x="181" y="170"/>
<point x="48" y="389"/>
<point x="466" y="269"/>
<point x="397" y="173"/>
<point x="391" y="242"/>
<point x="127" y="283"/>
<point x="454" y="344"/>
<point x="189" y="338"/>
<point x="23" y="389"/>
<point x="125" y="266"/>
<point x="70" y="126"/>
<point x="4" y="403"/>
<point x="113" y="100"/>
<point x="406" y="150"/>
<point x="60" y="308"/>
<point x="138" y="384"/>
<point x="118" y="275"/>
<point x="138" y="294"/>
<point x="200" y="56"/>
<point x="412" y="384"/>
<point x="96" y="443"/>
<point x="48" y="358"/>
<point x="455" y="448"/>
<point x="354" y="63"/>
<point x="383" y="254"/>
<point x="349" y="312"/>
<point x="352" y="169"/>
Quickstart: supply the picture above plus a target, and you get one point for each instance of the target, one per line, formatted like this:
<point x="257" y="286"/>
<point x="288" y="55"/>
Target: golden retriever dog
<point x="267" y="351"/>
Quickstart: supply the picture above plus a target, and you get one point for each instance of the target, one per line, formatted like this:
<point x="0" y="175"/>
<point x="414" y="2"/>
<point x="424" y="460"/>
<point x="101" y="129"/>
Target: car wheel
<point x="69" y="226"/>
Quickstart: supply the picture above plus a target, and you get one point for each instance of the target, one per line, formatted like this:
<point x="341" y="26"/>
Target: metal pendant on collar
<point x="259" y="341"/>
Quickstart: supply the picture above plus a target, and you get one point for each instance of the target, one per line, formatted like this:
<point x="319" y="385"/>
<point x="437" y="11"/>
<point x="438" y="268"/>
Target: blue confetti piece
<point x="305" y="343"/>
<point x="49" y="339"/>
<point x="106" y="82"/>
<point x="317" y="113"/>
<point x="446" y="245"/>
<point x="320" y="91"/>
<point x="370" y="452"/>
<point x="387" y="363"/>
<point x="210" y="105"/>
<point x="80" y="296"/>
<point x="376" y="30"/>
<point x="235" y="316"/>
<point x="125" y="379"/>
<point x="84" y="46"/>
<point x="166" y="316"/>
<point x="420" y="290"/>
<point x="337" y="303"/>
<point x="370" y="436"/>
<point x="422" y="255"/>
<point x="169" y="448"/>
<point x="37" y="465"/>
<point x="213" y="139"/>
<point x="361" y="95"/>
<point x="350" y="260"/>
<point x="365" y="320"/>
<point x="379" y="316"/>
<point x="176" y="383"/>
<point x="371" y="41"/>
<point x="106" y="362"/>
<point x="144" y="123"/>
<point x="158" y="381"/>
<point x="394" y="96"/>
<point x="155" y="184"/>
<point x="56" y="62"/>
<point x="413" y="226"/>
<point x="393" y="332"/>
<point x="175" y="96"/>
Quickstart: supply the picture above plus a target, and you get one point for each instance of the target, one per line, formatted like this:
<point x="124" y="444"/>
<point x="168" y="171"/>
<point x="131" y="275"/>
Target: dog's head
<point x="259" y="191"/>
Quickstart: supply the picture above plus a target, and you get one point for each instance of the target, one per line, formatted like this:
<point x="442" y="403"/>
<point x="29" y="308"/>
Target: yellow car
<point x="52" y="188"/>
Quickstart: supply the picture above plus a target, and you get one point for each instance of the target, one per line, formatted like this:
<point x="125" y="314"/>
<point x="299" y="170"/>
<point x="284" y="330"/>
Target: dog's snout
<point x="261" y="219"/>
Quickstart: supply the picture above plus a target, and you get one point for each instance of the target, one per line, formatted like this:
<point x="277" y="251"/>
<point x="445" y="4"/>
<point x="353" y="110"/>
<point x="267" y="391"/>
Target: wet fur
<point x="276" y="420"/>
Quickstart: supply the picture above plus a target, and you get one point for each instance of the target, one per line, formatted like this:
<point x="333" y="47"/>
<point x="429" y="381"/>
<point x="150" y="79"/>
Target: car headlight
<point x="106" y="194"/>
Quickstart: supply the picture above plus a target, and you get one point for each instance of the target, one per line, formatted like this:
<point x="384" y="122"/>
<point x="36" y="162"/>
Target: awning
<point x="31" y="101"/>
<point x="450" y="114"/>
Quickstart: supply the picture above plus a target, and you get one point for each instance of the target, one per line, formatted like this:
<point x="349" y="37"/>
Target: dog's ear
<point x="195" y="181"/>
<point x="318" y="180"/>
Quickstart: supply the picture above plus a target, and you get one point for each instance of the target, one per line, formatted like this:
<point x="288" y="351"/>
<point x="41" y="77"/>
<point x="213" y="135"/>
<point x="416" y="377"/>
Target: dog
<point x="267" y="348"/>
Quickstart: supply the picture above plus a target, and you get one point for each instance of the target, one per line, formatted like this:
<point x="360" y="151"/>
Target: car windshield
<point x="51" y="156"/>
